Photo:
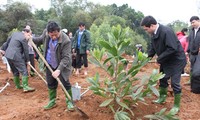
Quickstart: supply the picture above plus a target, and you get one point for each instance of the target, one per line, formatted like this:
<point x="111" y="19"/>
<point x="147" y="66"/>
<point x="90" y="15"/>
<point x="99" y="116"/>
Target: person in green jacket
<point x="81" y="46"/>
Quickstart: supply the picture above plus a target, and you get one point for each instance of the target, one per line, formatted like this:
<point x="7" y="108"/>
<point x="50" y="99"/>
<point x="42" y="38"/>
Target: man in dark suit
<point x="193" y="50"/>
<point x="17" y="53"/>
<point x="171" y="58"/>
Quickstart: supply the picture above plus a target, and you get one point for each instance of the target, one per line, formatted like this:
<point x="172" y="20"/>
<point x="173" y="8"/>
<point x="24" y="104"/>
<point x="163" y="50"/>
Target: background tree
<point x="100" y="17"/>
<point x="178" y="25"/>
<point x="99" y="33"/>
<point x="13" y="15"/>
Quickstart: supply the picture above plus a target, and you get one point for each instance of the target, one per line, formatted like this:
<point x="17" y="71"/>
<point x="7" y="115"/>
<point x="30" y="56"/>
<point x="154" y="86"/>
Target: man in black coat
<point x="171" y="58"/>
<point x="193" y="50"/>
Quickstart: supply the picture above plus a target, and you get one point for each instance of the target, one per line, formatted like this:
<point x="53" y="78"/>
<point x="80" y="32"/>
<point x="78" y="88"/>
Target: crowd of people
<point x="62" y="50"/>
<point x="57" y="51"/>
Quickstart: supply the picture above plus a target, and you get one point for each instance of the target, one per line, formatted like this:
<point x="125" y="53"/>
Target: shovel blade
<point x="83" y="114"/>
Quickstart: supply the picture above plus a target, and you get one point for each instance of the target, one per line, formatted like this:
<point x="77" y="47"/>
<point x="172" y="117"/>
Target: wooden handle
<point x="37" y="73"/>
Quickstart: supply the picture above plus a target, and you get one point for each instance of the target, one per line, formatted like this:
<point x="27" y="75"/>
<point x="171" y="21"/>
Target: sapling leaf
<point x="106" y="102"/>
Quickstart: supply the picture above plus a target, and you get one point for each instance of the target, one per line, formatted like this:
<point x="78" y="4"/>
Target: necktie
<point x="53" y="63"/>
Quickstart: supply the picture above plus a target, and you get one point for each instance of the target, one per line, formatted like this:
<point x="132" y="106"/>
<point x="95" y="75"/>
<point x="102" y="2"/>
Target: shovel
<point x="5" y="61"/>
<point x="83" y="114"/>
<point x="37" y="73"/>
<point x="7" y="84"/>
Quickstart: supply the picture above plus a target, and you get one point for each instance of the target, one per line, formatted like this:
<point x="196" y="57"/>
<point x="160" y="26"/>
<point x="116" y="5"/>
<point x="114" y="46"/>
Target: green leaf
<point x="105" y="44"/>
<point x="119" y="44"/>
<point x="144" y="80"/>
<point x="95" y="61"/>
<point x="123" y="47"/>
<point x="113" y="51"/>
<point x="121" y="115"/>
<point x="134" y="68"/>
<point x="126" y="89"/>
<point x="93" y="81"/>
<point x="151" y="117"/>
<point x="120" y="68"/>
<point x="107" y="60"/>
<point x="162" y="111"/>
<point x="110" y="69"/>
<point x="106" y="102"/>
<point x="100" y="93"/>
<point x="139" y="90"/>
<point x="123" y="105"/>
<point x="154" y="90"/>
<point x="94" y="88"/>
<point x="121" y="76"/>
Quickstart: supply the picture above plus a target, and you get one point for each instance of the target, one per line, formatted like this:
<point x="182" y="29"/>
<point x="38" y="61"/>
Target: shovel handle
<point x="48" y="66"/>
<point x="7" y="84"/>
<point x="37" y="73"/>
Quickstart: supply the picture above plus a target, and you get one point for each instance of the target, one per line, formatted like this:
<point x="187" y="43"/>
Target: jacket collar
<point x="156" y="32"/>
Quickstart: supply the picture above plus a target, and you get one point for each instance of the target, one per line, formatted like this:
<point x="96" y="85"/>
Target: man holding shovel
<point x="57" y="52"/>
<point x="16" y="52"/>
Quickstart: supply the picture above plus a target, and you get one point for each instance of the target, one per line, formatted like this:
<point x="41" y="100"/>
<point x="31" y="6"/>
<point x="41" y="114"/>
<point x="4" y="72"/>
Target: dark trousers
<point x="73" y="61"/>
<point x="53" y="83"/>
<point x="81" y="59"/>
<point x="18" y="67"/>
<point x="175" y="82"/>
<point x="31" y="57"/>
<point x="192" y="61"/>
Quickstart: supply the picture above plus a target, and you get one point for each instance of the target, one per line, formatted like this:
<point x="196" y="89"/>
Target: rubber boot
<point x="17" y="82"/>
<point x="69" y="103"/>
<point x="162" y="97"/>
<point x="52" y="99"/>
<point x="175" y="109"/>
<point x="25" y="84"/>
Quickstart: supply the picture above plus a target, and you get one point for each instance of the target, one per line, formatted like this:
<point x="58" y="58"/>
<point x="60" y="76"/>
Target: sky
<point x="165" y="11"/>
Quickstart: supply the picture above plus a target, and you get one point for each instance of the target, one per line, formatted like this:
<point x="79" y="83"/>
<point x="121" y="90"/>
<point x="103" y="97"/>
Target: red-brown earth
<point x="16" y="105"/>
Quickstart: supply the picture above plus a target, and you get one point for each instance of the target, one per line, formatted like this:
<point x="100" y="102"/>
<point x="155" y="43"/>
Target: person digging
<point x="16" y="51"/>
<point x="57" y="52"/>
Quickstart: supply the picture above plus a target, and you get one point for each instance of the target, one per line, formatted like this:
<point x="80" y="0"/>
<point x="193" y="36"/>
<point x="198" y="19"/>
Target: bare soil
<point x="16" y="105"/>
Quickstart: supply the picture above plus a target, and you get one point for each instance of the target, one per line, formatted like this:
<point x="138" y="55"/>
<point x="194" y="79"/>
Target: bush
<point x="122" y="88"/>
